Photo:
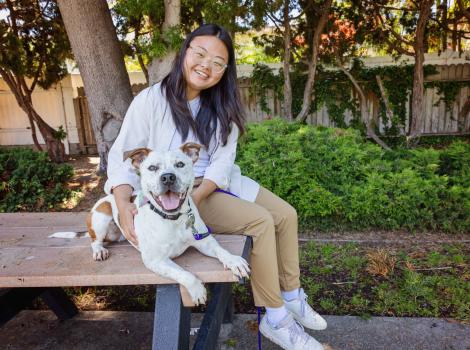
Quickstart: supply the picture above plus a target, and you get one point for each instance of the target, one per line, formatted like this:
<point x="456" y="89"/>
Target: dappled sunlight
<point x="86" y="184"/>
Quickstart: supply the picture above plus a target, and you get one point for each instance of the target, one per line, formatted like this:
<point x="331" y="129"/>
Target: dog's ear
<point x="137" y="155"/>
<point x="191" y="149"/>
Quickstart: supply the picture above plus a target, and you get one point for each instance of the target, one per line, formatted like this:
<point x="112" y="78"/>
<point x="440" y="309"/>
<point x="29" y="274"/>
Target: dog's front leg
<point x="210" y="247"/>
<point x="167" y="268"/>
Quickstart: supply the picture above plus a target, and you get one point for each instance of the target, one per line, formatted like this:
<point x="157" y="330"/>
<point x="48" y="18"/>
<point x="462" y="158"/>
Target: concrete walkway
<point x="133" y="330"/>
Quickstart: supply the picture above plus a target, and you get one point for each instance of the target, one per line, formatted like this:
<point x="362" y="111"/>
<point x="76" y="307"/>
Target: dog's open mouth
<point x="170" y="201"/>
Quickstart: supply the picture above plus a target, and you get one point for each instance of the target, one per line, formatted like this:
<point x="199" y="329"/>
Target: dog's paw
<point x="100" y="253"/>
<point x="197" y="291"/>
<point x="236" y="264"/>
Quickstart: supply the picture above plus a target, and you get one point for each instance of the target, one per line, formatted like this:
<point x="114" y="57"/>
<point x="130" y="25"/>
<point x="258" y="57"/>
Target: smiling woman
<point x="199" y="102"/>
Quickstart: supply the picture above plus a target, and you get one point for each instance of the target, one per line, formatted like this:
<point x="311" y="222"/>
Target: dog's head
<point x="166" y="178"/>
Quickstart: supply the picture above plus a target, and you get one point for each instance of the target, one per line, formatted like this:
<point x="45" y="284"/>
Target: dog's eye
<point x="153" y="168"/>
<point x="179" y="164"/>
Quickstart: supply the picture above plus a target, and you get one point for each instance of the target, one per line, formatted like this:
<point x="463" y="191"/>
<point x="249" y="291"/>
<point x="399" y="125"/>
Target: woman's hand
<point x="127" y="211"/>
<point x="203" y="191"/>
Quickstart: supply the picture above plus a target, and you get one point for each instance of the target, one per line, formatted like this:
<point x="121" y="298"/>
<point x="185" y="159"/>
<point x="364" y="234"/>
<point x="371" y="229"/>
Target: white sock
<point x="290" y="295"/>
<point x="276" y="314"/>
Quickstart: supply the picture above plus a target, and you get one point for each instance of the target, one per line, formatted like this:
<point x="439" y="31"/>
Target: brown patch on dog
<point x="191" y="149"/>
<point x="105" y="208"/>
<point x="91" y="232"/>
<point x="137" y="155"/>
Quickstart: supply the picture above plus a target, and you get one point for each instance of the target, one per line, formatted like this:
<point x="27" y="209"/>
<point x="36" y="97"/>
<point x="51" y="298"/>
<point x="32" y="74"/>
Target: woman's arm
<point x="222" y="160"/>
<point x="122" y="177"/>
<point x="127" y="210"/>
<point x="134" y="134"/>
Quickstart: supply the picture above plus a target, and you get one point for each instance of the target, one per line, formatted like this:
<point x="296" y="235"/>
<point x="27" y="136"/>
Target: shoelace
<point x="303" y="301"/>
<point x="296" y="331"/>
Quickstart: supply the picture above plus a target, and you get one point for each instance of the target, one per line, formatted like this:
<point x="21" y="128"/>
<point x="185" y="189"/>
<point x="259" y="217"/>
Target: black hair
<point x="219" y="104"/>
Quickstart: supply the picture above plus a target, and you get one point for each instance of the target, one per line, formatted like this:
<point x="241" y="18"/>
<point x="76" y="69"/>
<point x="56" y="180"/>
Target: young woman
<point x="199" y="101"/>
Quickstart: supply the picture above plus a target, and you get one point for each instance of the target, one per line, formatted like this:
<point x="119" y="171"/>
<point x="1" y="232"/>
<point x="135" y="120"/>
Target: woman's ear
<point x="191" y="149"/>
<point x="137" y="155"/>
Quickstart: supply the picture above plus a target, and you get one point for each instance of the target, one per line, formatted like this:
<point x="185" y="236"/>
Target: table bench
<point x="33" y="265"/>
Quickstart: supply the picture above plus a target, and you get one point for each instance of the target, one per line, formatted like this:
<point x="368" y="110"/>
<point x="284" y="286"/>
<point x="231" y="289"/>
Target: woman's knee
<point x="264" y="222"/>
<point x="290" y="214"/>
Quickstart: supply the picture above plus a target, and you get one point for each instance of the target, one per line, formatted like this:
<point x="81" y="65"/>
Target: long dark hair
<point x="219" y="104"/>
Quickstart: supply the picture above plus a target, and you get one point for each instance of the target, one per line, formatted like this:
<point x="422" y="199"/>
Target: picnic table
<point x="33" y="265"/>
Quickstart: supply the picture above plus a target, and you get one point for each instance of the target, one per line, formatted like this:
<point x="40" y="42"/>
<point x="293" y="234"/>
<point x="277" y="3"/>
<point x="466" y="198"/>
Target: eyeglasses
<point x="199" y="55"/>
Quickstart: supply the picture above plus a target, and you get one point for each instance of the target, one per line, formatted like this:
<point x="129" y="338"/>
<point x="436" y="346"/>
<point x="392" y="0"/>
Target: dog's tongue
<point x="170" y="200"/>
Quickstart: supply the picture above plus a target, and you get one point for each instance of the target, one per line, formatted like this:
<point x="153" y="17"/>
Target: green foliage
<point x="33" y="41"/>
<point x="31" y="182"/>
<point x="335" y="179"/>
<point x="265" y="81"/>
<point x="60" y="133"/>
<point x="333" y="89"/>
<point x="448" y="91"/>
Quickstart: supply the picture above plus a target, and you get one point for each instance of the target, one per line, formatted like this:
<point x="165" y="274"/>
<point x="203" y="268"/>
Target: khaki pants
<point x="272" y="223"/>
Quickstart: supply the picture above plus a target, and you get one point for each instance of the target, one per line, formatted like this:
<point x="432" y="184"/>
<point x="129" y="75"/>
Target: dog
<point x="168" y="223"/>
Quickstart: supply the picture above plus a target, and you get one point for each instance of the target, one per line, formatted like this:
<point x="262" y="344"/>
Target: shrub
<point x="336" y="179"/>
<point x="31" y="182"/>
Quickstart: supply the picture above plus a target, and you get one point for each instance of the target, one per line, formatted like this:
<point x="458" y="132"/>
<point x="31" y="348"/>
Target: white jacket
<point x="149" y="123"/>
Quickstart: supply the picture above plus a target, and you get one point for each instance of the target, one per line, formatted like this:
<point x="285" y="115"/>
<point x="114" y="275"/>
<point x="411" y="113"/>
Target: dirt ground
<point x="87" y="181"/>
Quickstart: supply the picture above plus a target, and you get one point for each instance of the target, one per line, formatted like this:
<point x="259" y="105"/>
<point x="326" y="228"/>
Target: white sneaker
<point x="289" y="334"/>
<point x="304" y="313"/>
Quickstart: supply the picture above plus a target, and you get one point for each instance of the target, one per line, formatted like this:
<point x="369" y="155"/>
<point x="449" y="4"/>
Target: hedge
<point x="29" y="181"/>
<point x="336" y="179"/>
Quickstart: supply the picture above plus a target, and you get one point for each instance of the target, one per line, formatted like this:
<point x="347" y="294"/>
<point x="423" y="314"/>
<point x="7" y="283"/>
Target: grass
<point x="346" y="279"/>
<point x="405" y="281"/>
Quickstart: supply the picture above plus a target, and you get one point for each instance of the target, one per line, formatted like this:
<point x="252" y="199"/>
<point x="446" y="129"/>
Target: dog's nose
<point x="168" y="179"/>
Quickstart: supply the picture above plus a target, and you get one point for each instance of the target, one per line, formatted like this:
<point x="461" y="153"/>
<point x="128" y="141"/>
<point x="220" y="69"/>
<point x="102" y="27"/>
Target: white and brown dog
<point x="168" y="223"/>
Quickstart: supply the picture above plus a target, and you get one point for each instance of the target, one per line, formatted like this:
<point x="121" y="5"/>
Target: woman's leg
<point x="224" y="213"/>
<point x="286" y="226"/>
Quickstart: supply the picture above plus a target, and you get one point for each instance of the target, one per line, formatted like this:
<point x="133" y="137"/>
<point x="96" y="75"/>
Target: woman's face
<point x="204" y="64"/>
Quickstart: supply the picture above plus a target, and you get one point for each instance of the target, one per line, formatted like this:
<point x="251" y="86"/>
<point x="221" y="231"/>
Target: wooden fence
<point x="438" y="119"/>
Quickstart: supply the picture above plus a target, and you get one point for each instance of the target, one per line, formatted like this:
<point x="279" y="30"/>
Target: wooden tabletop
<point x="28" y="258"/>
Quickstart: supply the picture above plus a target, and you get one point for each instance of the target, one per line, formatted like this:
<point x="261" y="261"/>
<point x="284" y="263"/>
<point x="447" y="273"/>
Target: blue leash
<point x="259" y="333"/>
<point x="259" y="309"/>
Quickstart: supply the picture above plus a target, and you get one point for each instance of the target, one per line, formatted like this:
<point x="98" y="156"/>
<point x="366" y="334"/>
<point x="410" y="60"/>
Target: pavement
<point x="133" y="330"/>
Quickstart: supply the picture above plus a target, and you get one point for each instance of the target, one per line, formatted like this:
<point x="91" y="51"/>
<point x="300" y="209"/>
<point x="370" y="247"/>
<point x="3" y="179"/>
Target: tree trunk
<point x="417" y="113"/>
<point x="388" y="110"/>
<point x="444" y="22"/>
<point x="366" y="119"/>
<point x="160" y="67"/>
<point x="287" y="83"/>
<point x="96" y="49"/>
<point x="312" y="64"/>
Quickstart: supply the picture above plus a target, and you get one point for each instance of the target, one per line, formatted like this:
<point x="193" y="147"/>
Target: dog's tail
<point x="69" y="234"/>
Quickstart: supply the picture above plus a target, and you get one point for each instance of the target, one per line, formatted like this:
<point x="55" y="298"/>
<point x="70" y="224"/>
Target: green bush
<point x="31" y="182"/>
<point x="336" y="179"/>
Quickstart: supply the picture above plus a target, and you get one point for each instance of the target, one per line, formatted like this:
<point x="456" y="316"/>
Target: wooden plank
<point x="24" y="220"/>
<point x="30" y="259"/>
<point x="442" y="117"/>
<point x="464" y="93"/>
<point x="433" y="113"/>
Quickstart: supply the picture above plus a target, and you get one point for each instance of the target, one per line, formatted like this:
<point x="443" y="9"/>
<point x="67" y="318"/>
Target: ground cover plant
<point x="336" y="179"/>
<point x="30" y="181"/>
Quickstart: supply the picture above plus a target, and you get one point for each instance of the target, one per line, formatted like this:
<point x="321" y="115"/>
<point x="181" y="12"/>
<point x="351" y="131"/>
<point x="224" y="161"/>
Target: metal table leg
<point x="172" y="320"/>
